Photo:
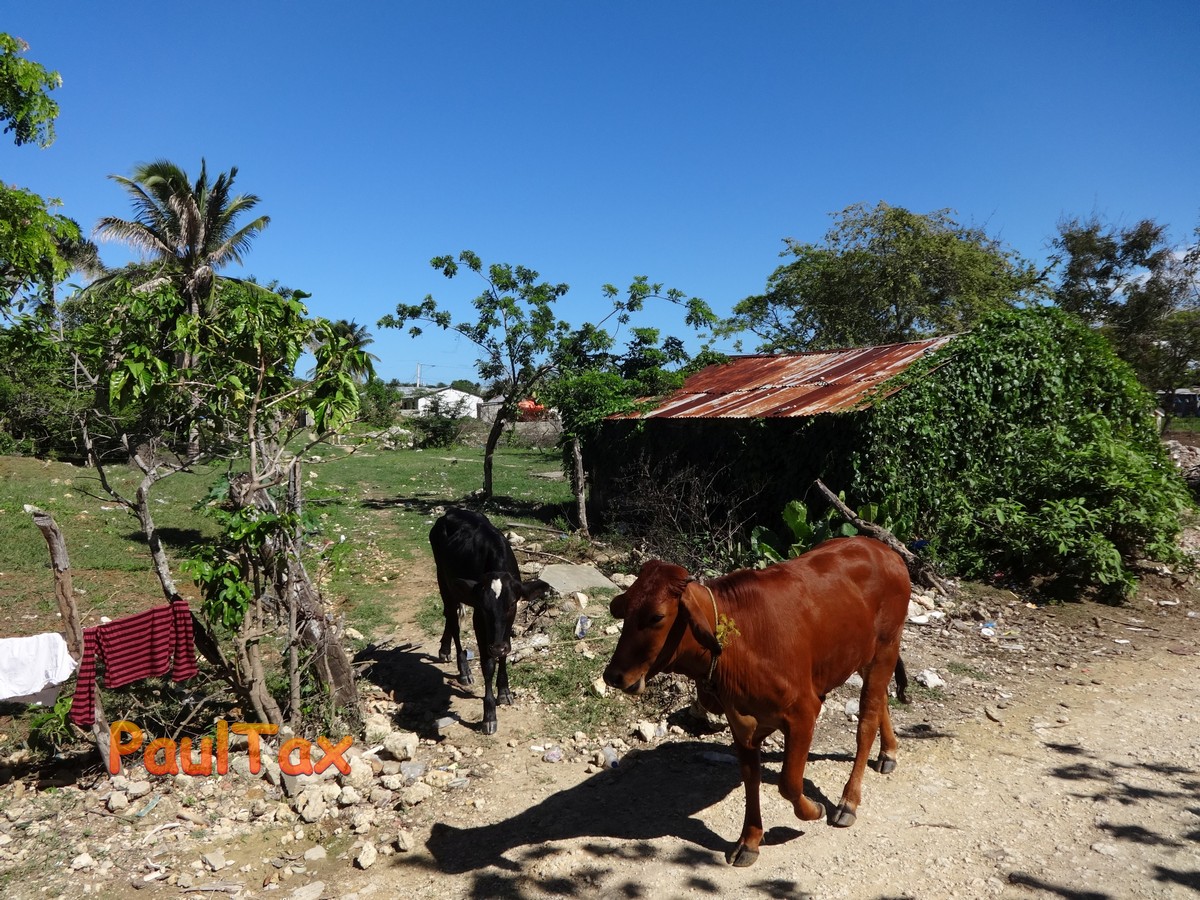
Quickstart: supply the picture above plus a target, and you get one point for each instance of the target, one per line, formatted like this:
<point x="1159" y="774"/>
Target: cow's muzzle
<point x="617" y="680"/>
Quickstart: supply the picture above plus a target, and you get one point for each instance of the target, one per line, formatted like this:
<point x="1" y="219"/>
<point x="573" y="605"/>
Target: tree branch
<point x="921" y="570"/>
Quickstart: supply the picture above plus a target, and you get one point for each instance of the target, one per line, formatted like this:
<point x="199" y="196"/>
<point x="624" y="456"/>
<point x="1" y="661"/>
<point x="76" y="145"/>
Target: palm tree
<point x="346" y="342"/>
<point x="187" y="231"/>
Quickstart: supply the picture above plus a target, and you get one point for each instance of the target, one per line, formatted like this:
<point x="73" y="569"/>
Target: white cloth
<point x="31" y="666"/>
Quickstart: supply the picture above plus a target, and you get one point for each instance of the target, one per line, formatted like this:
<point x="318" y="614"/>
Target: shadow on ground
<point x="421" y="686"/>
<point x="653" y="794"/>
<point x="495" y="508"/>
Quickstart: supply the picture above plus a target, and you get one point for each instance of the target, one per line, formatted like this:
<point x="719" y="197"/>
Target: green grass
<point x="430" y="616"/>
<point x="368" y="548"/>
<point x="372" y="510"/>
<point x="100" y="534"/>
<point x="385" y="502"/>
<point x="920" y="692"/>
<point x="109" y="559"/>
<point x="1191" y="424"/>
<point x="563" y="677"/>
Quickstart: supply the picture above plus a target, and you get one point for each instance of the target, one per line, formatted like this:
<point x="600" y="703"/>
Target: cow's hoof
<point x="810" y="810"/>
<point x="504" y="697"/>
<point x="741" y="856"/>
<point x="444" y="656"/>
<point x="843" y="818"/>
<point x="488" y="727"/>
<point x="465" y="678"/>
<point x="887" y="765"/>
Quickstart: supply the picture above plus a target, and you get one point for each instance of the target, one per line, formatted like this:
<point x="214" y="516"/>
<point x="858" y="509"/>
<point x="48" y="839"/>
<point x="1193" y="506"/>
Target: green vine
<point x="224" y="571"/>
<point x="1025" y="448"/>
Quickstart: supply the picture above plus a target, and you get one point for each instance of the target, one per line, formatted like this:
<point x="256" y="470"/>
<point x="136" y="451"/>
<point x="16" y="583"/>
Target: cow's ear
<point x="534" y="590"/>
<point x="697" y="603"/>
<point x="618" y="606"/>
<point x="467" y="584"/>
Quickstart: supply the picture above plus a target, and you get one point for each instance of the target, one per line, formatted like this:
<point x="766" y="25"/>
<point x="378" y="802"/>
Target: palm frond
<point x="239" y="242"/>
<point x="135" y="234"/>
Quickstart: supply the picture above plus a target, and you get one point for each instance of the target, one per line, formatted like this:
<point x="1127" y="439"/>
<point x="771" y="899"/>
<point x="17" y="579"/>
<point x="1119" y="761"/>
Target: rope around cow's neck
<point x="712" y="669"/>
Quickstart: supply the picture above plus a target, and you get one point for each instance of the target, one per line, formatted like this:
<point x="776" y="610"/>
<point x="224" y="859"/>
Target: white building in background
<point x="451" y="398"/>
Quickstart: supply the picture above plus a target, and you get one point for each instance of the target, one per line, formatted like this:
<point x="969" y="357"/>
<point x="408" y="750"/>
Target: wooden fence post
<point x="64" y="594"/>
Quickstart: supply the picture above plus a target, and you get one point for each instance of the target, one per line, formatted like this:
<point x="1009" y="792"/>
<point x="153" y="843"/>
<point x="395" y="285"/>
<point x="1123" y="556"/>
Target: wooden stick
<point x="64" y="591"/>
<point x="64" y="594"/>
<point x="534" y="527"/>
<point x="917" y="566"/>
<point x="544" y="553"/>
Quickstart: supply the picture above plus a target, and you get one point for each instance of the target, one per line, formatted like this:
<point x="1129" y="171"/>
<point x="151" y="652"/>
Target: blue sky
<point x="598" y="141"/>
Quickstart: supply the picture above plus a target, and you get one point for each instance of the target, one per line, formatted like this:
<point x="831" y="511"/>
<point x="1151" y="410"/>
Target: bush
<point x="378" y="401"/>
<point x="440" y="424"/>
<point x="1066" y="482"/>
<point x="683" y="513"/>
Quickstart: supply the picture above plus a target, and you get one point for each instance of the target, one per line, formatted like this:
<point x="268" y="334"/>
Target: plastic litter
<point x="581" y="626"/>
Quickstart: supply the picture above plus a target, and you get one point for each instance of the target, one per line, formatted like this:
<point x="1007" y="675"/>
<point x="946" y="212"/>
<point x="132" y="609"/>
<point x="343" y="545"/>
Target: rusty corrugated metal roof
<point x="805" y="384"/>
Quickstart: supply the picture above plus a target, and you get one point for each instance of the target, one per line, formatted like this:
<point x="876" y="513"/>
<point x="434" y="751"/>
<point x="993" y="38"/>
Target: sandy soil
<point x="1065" y="768"/>
<point x="1058" y="760"/>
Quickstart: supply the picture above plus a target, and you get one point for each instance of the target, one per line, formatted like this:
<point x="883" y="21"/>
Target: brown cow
<point x="791" y="633"/>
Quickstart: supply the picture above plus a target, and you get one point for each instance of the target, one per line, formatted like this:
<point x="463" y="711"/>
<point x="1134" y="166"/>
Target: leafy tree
<point x="187" y="231"/>
<point x="346" y="344"/>
<point x="25" y="104"/>
<point x="378" y="399"/>
<point x="516" y="329"/>
<point x="35" y="245"/>
<point x="38" y="247"/>
<point x="238" y="389"/>
<point x="466" y="386"/>
<point x="440" y="423"/>
<point x="883" y="275"/>
<point x="1140" y="289"/>
<point x="40" y="402"/>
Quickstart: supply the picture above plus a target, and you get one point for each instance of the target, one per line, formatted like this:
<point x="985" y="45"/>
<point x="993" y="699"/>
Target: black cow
<point x="476" y="566"/>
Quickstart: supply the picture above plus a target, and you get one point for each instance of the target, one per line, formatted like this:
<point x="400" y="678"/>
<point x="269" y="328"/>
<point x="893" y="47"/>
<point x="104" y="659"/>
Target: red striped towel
<point x="140" y="646"/>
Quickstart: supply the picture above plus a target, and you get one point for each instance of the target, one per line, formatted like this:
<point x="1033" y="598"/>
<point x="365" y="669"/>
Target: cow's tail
<point x="901" y="681"/>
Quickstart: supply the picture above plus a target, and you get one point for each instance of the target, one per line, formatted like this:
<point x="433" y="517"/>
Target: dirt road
<point x="1058" y="760"/>
<point x="1086" y="788"/>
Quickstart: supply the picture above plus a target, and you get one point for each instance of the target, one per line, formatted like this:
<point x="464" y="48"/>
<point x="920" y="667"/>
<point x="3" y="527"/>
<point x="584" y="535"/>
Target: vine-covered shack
<point x="1024" y="444"/>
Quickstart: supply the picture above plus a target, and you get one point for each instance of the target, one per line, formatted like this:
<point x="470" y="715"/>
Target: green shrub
<point x="378" y="401"/>
<point x="1067" y="480"/>
<point x="440" y="424"/>
<point x="48" y="728"/>
<point x="808" y="530"/>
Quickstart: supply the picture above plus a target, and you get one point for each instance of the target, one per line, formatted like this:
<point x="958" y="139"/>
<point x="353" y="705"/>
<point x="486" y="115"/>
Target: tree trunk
<point x="64" y="595"/>
<point x="205" y="642"/>
<point x="579" y="483"/>
<point x="489" y="450"/>
<point x="294" y="695"/>
<point x="266" y="710"/>
<point x="315" y="629"/>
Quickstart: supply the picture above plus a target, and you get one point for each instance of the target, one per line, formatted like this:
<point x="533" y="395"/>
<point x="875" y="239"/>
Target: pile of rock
<point x="1187" y="458"/>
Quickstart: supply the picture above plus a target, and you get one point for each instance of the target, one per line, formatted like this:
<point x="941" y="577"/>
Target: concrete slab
<point x="567" y="579"/>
